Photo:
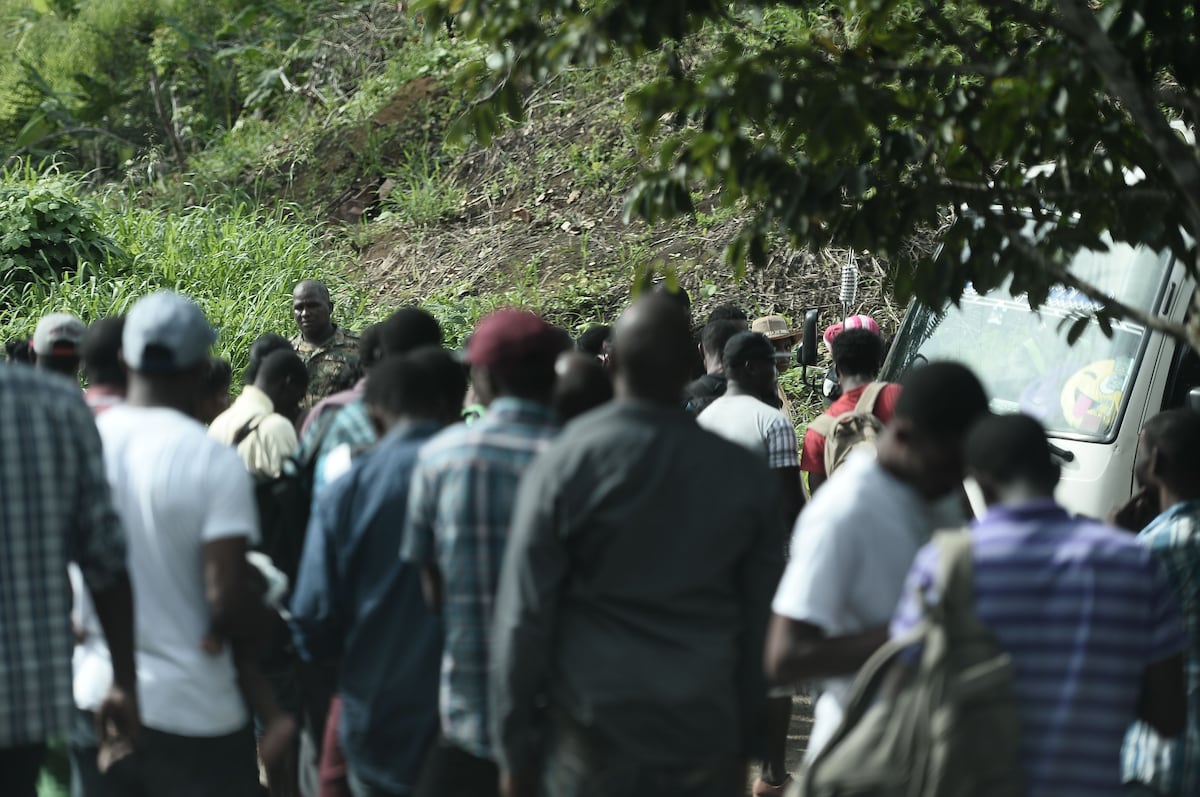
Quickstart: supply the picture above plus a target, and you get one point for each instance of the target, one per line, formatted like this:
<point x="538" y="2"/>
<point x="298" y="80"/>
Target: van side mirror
<point x="808" y="347"/>
<point x="1193" y="399"/>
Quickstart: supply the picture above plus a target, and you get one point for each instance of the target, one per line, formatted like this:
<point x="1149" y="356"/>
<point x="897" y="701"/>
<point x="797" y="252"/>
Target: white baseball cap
<point x="166" y="333"/>
<point x="58" y="334"/>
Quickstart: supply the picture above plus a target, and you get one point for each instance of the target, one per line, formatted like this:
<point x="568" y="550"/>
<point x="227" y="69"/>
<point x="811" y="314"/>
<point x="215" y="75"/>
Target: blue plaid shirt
<point x="55" y="507"/>
<point x="1172" y="766"/>
<point x="459" y="509"/>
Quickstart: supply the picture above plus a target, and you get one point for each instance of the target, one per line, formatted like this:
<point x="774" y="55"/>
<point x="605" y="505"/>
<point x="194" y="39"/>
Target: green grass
<point x="422" y="195"/>
<point x="238" y="263"/>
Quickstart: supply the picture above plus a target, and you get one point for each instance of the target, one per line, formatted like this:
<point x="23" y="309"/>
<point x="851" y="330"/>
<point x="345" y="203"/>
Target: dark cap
<point x="510" y="337"/>
<point x="746" y="347"/>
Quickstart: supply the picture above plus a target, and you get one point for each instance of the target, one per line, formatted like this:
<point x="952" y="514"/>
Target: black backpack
<point x="704" y="391"/>
<point x="285" y="501"/>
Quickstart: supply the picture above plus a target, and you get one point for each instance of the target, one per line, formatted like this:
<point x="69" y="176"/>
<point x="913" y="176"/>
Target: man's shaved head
<point x="581" y="384"/>
<point x="314" y="289"/>
<point x="652" y="350"/>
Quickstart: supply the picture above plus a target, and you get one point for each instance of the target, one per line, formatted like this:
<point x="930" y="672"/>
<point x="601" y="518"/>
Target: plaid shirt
<point x="1172" y="766"/>
<point x="349" y="426"/>
<point x="459" y="509"/>
<point x="55" y="507"/>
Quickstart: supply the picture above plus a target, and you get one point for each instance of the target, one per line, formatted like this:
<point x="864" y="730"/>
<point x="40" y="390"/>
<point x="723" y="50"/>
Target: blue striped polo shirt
<point x="1083" y="609"/>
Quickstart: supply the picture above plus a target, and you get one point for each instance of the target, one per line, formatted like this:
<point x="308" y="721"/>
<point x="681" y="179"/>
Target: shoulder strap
<point x="952" y="608"/>
<point x="954" y="574"/>
<point x="866" y="402"/>
<point x="823" y="424"/>
<point x="247" y="429"/>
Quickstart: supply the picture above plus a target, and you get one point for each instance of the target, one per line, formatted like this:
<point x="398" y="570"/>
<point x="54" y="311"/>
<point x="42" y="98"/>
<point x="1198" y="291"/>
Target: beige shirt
<point x="272" y="440"/>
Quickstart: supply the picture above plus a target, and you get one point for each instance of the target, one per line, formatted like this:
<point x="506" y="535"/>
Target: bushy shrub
<point x="48" y="229"/>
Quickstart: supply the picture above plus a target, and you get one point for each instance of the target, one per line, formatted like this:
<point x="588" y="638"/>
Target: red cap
<point x="508" y="337"/>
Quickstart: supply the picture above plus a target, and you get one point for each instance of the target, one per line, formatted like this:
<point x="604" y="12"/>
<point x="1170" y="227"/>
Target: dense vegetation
<point x="237" y="146"/>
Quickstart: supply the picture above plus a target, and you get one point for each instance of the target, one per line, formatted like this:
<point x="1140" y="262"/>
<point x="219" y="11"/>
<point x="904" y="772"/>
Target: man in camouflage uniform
<point x="329" y="352"/>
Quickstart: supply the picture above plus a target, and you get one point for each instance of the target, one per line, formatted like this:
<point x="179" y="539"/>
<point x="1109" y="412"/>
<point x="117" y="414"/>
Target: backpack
<point x="285" y="501"/>
<point x="704" y="391"/>
<point x="945" y="725"/>
<point x="852" y="430"/>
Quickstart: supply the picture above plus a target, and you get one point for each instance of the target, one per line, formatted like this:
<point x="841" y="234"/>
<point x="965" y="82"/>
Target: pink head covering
<point x="853" y="322"/>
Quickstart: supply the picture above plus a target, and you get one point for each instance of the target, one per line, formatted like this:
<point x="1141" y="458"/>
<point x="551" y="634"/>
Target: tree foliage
<point x="97" y="84"/>
<point x="865" y="122"/>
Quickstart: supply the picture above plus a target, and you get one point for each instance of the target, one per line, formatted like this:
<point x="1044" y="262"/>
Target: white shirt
<point x="754" y="425"/>
<point x="851" y="552"/>
<point x="176" y="489"/>
<point x="90" y="661"/>
<point x="269" y="443"/>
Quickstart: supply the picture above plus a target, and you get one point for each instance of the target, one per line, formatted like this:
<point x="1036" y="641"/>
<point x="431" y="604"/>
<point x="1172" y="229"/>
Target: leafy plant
<point x="49" y="231"/>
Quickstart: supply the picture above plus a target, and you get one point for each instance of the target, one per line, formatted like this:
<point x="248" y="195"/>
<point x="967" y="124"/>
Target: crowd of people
<point x="544" y="566"/>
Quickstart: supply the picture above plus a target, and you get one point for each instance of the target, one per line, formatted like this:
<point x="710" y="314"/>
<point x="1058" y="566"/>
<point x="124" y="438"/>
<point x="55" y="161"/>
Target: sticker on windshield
<point x="1092" y="395"/>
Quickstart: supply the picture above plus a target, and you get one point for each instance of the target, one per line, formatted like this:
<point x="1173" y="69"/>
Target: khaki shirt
<point x="333" y="365"/>
<point x="272" y="440"/>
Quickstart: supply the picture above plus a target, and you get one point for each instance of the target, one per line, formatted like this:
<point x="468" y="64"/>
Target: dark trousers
<point x="453" y="772"/>
<point x="19" y="769"/>
<point x="166" y="765"/>
<point x="578" y="764"/>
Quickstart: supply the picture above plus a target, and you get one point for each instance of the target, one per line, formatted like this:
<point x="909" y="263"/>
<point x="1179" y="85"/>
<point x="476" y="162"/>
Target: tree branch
<point x="1178" y="159"/>
<point x="1119" y="309"/>
<point x="1112" y="306"/>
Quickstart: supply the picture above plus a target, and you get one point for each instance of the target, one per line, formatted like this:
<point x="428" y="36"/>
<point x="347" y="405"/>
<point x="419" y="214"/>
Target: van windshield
<point x="1022" y="356"/>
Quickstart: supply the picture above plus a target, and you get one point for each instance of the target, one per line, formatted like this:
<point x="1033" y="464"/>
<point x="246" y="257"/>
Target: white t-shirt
<point x="851" y="552"/>
<point x="754" y="425"/>
<point x="177" y="489"/>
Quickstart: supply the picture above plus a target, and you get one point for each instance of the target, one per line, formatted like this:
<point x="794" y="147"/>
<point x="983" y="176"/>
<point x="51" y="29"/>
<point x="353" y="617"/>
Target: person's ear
<point x="1156" y="464"/>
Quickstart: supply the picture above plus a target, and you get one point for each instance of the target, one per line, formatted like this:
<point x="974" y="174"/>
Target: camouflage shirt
<point x="332" y="365"/>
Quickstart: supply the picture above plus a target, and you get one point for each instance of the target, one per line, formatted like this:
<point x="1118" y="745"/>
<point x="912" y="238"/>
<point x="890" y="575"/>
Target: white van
<point x="1093" y="396"/>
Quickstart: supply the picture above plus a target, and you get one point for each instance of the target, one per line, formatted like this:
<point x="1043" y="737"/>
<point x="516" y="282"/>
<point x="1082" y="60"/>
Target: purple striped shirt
<point x="1083" y="609"/>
